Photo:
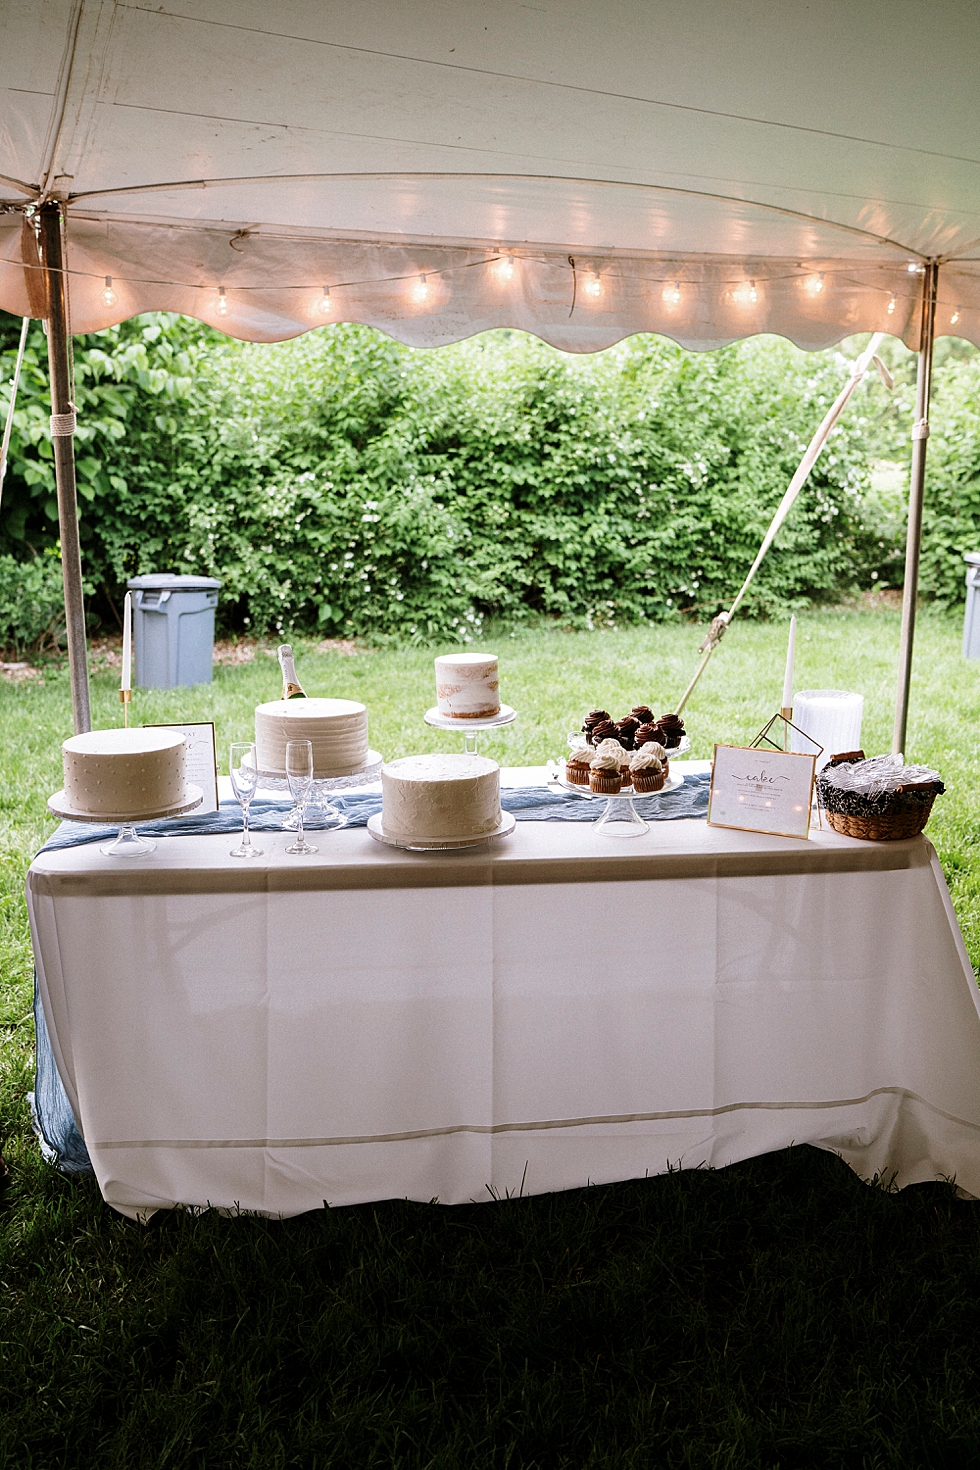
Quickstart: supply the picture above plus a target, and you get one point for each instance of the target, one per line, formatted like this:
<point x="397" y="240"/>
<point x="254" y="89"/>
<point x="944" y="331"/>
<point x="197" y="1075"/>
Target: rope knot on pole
<point x="716" y="632"/>
<point x="63" y="425"/>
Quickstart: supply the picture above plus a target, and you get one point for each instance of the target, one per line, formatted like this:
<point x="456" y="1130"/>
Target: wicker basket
<point x="887" y="818"/>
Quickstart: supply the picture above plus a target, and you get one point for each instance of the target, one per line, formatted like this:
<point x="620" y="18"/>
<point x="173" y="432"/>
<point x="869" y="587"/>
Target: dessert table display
<point x="543" y="1013"/>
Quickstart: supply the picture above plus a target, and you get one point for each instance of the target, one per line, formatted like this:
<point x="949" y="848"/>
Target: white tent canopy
<point x="582" y="171"/>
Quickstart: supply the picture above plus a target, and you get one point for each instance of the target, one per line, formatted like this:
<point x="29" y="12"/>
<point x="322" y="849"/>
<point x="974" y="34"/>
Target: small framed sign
<point x="758" y="790"/>
<point x="200" y="759"/>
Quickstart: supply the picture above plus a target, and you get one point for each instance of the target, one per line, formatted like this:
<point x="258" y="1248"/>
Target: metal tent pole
<point x="51" y="239"/>
<point x="917" y="479"/>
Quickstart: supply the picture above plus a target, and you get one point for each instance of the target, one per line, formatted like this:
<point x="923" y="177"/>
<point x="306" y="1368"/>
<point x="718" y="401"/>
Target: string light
<point x="108" y="295"/>
<point x="915" y="269"/>
<point x="505" y="268"/>
<point x="746" y="295"/>
<point x="955" y="317"/>
<point x="222" y="302"/>
<point x="672" y="294"/>
<point x="814" y="284"/>
<point x="593" y="287"/>
<point x="421" y="291"/>
<point x="325" y="306"/>
<point x="892" y="305"/>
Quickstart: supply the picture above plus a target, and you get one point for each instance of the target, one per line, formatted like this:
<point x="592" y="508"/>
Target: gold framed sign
<point x="200" y="759"/>
<point x="759" y="790"/>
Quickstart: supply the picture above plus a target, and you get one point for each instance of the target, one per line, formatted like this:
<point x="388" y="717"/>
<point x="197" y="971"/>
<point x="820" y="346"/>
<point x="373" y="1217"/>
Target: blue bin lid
<point x="171" y="582"/>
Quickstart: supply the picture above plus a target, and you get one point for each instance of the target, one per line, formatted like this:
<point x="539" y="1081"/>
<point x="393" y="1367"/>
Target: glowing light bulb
<point x="222" y="307"/>
<point x="421" y="291"/>
<point x="955" y="317"/>
<point x="892" y="305"/>
<point x="108" y="295"/>
<point x="671" y="295"/>
<point x="746" y="294"/>
<point x="814" y="284"/>
<point x="915" y="269"/>
<point x="325" y="306"/>
<point x="506" y="268"/>
<point x="593" y="287"/>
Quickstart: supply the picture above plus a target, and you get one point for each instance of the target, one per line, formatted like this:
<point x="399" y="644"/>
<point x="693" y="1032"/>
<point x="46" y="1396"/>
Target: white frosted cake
<point x="124" y="773"/>
<point x="336" y="728"/>
<point x="427" y="797"/>
<point x="468" y="686"/>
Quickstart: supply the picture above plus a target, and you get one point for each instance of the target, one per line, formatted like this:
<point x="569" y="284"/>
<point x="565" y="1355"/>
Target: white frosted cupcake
<point x="606" y="772"/>
<point x="648" y="767"/>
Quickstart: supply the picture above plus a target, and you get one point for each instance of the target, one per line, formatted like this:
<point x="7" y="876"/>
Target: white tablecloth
<point x="558" y="1010"/>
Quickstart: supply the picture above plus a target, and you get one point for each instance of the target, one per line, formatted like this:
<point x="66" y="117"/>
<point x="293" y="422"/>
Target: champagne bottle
<point x="291" y="687"/>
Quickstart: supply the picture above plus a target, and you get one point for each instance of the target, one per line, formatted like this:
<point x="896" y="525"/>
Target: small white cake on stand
<point x="468" y="697"/>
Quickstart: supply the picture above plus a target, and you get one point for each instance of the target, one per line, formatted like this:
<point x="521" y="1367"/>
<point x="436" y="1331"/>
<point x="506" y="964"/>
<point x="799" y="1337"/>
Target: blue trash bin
<point x="971" y="620"/>
<point x="173" y="629"/>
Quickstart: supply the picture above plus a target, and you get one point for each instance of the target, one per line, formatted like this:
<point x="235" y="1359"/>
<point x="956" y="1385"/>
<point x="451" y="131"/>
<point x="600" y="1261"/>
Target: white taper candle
<point x="790" y="660"/>
<point x="127" y="648"/>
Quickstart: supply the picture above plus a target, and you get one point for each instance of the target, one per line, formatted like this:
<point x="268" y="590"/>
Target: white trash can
<point x="173" y="629"/>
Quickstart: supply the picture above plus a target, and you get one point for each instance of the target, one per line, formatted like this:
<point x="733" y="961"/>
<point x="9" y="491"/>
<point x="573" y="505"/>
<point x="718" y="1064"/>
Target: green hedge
<point x="346" y="484"/>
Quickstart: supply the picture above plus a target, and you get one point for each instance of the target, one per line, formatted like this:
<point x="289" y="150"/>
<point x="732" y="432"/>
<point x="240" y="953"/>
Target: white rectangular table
<point x="557" y="1010"/>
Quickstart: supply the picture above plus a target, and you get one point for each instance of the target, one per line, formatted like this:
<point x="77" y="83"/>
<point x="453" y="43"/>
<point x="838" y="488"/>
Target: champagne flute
<point x="244" y="771"/>
<point x="299" y="775"/>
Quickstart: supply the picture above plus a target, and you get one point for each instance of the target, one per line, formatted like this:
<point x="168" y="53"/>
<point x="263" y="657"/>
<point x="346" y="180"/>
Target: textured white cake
<point x="468" y="685"/>
<point x="427" y="797"/>
<point x="336" y="728"/>
<point x="124" y="773"/>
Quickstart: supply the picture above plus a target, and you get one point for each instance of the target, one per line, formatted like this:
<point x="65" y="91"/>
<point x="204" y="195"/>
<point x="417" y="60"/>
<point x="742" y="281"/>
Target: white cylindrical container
<point x="831" y="717"/>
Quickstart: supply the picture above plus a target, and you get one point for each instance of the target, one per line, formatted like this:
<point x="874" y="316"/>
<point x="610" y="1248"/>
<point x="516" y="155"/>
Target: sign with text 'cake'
<point x="759" y="790"/>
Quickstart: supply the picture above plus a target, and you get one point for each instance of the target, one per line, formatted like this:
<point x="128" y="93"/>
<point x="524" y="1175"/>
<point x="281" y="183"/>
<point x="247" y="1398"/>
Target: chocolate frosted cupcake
<point x="647" y="733"/>
<point x="604" y="730"/>
<point x="673" y="729"/>
<point x="648" y="770"/>
<point x="593" y="718"/>
<point x="626" y="730"/>
<point x="643" y="714"/>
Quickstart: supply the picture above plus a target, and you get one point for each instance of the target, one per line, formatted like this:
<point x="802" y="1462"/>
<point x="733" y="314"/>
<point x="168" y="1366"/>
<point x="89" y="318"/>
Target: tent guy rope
<point x="720" y="624"/>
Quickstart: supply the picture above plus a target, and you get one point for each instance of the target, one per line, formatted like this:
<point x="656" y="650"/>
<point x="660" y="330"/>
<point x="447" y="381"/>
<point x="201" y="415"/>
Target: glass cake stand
<point x="470" y="728"/>
<point x="620" y="817"/>
<point x="128" y="842"/>
<point x="320" y="810"/>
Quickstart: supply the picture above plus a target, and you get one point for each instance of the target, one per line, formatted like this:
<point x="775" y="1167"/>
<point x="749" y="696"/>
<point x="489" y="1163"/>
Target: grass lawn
<point x="777" y="1313"/>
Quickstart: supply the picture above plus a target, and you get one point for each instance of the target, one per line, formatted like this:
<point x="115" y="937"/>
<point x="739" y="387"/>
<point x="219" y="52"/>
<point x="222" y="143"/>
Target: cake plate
<point x="320" y="811"/>
<point x="441" y="844"/>
<point x="470" y="728"/>
<point x="620" y="818"/>
<point x="674" y="753"/>
<point x="128" y="843"/>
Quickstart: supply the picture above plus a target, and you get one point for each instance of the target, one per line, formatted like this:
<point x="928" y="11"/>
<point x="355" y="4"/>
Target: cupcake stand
<point x="128" y="842"/>
<point x="470" y="728"/>
<point x="620" y="817"/>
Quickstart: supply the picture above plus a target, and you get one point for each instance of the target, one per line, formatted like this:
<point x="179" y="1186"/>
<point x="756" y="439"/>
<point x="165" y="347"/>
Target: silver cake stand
<point x="440" y="844"/>
<point x="128" y="843"/>
<point x="470" y="728"/>
<point x="620" y="817"/>
<point x="320" y="811"/>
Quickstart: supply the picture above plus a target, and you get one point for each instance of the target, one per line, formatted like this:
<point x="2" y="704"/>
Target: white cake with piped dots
<point x="124" y="773"/>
